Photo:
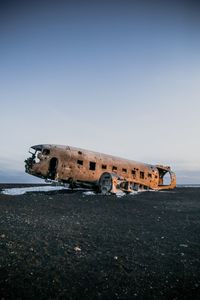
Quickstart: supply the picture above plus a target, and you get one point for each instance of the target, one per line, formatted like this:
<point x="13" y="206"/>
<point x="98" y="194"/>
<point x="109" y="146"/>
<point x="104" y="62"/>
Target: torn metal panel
<point x="76" y="166"/>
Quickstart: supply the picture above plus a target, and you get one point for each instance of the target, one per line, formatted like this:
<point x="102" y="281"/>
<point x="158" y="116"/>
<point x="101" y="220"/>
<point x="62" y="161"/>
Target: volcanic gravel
<point x="69" y="245"/>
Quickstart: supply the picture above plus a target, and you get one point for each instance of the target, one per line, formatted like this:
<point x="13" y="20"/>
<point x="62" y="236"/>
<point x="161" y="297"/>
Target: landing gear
<point x="112" y="183"/>
<point x="107" y="183"/>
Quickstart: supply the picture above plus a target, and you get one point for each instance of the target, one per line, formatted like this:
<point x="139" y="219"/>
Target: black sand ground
<point x="76" y="246"/>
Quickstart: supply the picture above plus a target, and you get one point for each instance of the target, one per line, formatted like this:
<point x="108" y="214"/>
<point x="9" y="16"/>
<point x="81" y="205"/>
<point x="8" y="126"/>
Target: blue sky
<point x="119" y="77"/>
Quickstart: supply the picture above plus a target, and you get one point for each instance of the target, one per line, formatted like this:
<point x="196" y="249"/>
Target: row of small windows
<point x="92" y="166"/>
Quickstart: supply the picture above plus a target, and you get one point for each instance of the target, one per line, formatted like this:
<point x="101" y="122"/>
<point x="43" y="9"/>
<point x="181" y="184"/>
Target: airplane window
<point x="92" y="165"/>
<point x="142" y="175"/>
<point x="46" y="152"/>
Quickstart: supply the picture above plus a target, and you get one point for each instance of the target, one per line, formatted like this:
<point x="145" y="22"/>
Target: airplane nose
<point x="28" y="164"/>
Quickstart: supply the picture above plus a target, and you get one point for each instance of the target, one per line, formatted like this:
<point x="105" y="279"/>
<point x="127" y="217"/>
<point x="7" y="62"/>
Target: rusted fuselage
<point x="107" y="173"/>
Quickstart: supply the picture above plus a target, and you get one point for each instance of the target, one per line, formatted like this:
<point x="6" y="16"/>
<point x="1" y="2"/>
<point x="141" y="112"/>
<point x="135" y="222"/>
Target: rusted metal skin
<point x="66" y="164"/>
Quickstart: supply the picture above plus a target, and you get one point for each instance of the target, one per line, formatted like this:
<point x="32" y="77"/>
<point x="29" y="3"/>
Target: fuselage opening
<point x="53" y="164"/>
<point x="165" y="178"/>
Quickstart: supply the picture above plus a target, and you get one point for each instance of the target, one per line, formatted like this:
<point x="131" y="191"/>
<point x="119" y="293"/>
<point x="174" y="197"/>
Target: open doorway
<point x="53" y="164"/>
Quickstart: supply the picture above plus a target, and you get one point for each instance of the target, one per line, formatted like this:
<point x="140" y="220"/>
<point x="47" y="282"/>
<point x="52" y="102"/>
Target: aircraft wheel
<point x="105" y="183"/>
<point x="108" y="183"/>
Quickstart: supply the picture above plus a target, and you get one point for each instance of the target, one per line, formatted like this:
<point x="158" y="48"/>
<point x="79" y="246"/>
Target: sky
<point x="118" y="77"/>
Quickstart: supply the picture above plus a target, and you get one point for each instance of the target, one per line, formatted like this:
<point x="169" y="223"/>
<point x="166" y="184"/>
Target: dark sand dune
<point x="63" y="245"/>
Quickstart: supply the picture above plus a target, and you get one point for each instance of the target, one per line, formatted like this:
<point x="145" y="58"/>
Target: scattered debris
<point x="77" y="249"/>
<point x="183" y="245"/>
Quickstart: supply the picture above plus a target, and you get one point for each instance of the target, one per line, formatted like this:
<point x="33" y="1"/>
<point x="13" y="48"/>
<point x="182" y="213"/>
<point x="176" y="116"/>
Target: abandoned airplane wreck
<point x="104" y="173"/>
